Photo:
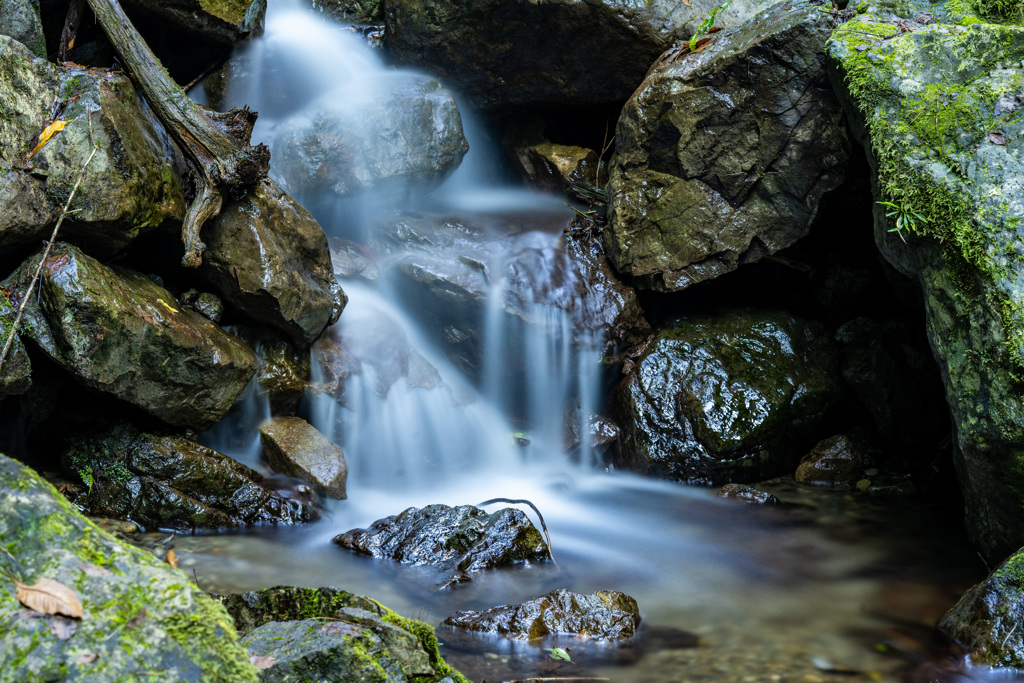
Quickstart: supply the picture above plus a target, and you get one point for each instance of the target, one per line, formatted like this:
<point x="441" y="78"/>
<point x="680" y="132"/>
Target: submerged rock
<point x="728" y="398"/>
<point x="605" y="615"/>
<point x="268" y="257"/>
<point x="987" y="619"/>
<point x="120" y="333"/>
<point x="294" y="447"/>
<point x="169" y="482"/>
<point x="747" y="494"/>
<point x="459" y="540"/>
<point x="161" y="621"/>
<point x="935" y="106"/>
<point x="722" y="156"/>
<point x="835" y="461"/>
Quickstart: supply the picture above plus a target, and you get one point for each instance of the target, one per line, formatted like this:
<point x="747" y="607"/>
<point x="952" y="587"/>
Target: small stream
<point x="830" y="587"/>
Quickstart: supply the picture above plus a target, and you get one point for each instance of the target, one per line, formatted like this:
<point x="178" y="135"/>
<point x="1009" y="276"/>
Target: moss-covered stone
<point x="16" y="368"/>
<point x="143" y="620"/>
<point x="20" y="20"/>
<point x="938" y="106"/>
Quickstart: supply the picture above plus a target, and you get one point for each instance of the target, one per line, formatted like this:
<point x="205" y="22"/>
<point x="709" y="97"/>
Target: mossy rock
<point x="143" y="620"/>
<point x="215" y="21"/>
<point x="20" y="20"/>
<point x="16" y="368"/>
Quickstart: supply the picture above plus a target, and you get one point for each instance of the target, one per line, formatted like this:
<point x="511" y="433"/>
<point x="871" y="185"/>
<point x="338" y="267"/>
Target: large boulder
<point x="130" y="186"/>
<point x="408" y="137"/>
<point x="723" y="155"/>
<point x="938" y="111"/>
<point x="679" y="20"/>
<point x="20" y="20"/>
<point x="119" y="332"/>
<point x="215" y="21"/>
<point x="140" y="615"/>
<point x="737" y="397"/>
<point x="269" y="258"/>
<point x="170" y="482"/>
<point x="458" y="540"/>
<point x="520" y="52"/>
<point x="295" y="447"/>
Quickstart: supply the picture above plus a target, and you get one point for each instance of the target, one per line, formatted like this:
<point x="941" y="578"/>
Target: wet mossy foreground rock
<point x="140" y="615"/>
<point x="458" y="540"/>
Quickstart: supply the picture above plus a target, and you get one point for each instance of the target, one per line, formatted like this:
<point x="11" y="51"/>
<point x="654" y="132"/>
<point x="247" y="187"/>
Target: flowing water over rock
<point x="464" y="369"/>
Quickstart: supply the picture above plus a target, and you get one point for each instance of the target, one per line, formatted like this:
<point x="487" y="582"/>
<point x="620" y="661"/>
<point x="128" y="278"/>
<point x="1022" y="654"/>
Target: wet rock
<point x="460" y="540"/>
<point x="987" y="618"/>
<point x="678" y="20"/>
<point x="163" y="622"/>
<point x="605" y="615"/>
<point x="552" y="166"/>
<point x="284" y="372"/>
<point x="728" y="398"/>
<point x="409" y="137"/>
<point x="351" y="262"/>
<point x="599" y="431"/>
<point x="253" y="609"/>
<point x="353" y="11"/>
<point x="548" y="52"/>
<point x="206" y="304"/>
<point x="835" y="461"/>
<point x="217" y="21"/>
<point x="924" y="102"/>
<point x="15" y="368"/>
<point x="294" y="447"/>
<point x="130" y="186"/>
<point x="747" y="494"/>
<point x="20" y="20"/>
<point x="268" y="257"/>
<point x="169" y="482"/>
<point x="722" y="156"/>
<point x="120" y="333"/>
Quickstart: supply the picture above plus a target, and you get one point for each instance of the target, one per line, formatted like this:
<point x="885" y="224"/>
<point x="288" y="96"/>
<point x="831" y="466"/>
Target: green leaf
<point x="558" y="653"/>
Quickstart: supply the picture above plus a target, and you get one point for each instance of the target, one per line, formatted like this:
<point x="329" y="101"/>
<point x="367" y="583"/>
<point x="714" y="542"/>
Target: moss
<point x="427" y="638"/>
<point x="210" y="623"/>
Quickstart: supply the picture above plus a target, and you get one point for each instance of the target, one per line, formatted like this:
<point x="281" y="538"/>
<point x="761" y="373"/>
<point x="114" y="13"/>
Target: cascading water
<point x="419" y="425"/>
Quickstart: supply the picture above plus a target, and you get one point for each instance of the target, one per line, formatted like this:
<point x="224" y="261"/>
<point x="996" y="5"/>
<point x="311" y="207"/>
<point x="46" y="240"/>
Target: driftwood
<point x="216" y="145"/>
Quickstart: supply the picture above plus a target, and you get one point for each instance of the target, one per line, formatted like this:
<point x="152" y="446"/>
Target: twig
<point x="46" y="252"/>
<point x="14" y="567"/>
<point x="523" y="501"/>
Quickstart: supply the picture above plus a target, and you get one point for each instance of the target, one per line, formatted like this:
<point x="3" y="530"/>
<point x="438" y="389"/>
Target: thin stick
<point x="523" y="501"/>
<point x="46" y="252"/>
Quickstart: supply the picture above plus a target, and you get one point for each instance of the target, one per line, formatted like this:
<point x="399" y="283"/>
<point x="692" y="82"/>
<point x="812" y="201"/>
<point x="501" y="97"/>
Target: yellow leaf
<point x="171" y="559"/>
<point x="45" y="136"/>
<point x="49" y="597"/>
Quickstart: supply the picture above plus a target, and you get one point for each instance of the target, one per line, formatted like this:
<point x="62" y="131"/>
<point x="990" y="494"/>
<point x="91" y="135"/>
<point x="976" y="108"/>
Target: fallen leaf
<point x="997" y="138"/>
<point x="559" y="653"/>
<point x="90" y="569"/>
<point x="88" y="658"/>
<point x="63" y="628"/>
<point x="261" y="662"/>
<point x="171" y="559"/>
<point x="49" y="597"/>
<point x="45" y="136"/>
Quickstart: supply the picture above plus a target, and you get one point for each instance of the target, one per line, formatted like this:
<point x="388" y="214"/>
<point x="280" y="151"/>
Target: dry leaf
<point x="171" y="559"/>
<point x="88" y="658"/>
<point x="63" y="628"/>
<point x="262" y="662"/>
<point x="997" y="138"/>
<point x="49" y="597"/>
<point x="93" y="570"/>
<point x="45" y="136"/>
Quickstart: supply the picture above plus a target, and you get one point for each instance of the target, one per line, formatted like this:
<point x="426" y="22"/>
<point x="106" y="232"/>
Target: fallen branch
<point x="39" y="268"/>
<point x="523" y="501"/>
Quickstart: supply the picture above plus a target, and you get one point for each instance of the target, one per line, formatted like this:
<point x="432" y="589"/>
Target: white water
<point x="764" y="594"/>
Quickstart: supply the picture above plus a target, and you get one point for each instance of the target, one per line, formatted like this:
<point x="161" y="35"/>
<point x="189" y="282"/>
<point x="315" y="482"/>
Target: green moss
<point x="428" y="640"/>
<point x="210" y="623"/>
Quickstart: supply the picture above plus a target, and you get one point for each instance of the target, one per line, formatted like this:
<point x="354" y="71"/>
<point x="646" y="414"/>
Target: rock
<point x="169" y="482"/>
<point x="722" y="156"/>
<point x="284" y="371"/>
<point x="933" y="104"/>
<point x="678" y="21"/>
<point x="267" y="256"/>
<point x="459" y="540"/>
<point x="542" y="53"/>
<point x="216" y="21"/>
<point x="747" y="494"/>
<point x="130" y="186"/>
<point x="296" y="448"/>
<point x="353" y="11"/>
<point x="406" y="138"/>
<point x="728" y="398"/>
<point x="605" y="615"/>
<point x="20" y="20"/>
<point x="351" y="262"/>
<point x="987" y="618"/>
<point x="552" y="166"/>
<point x="15" y="368"/>
<point x="392" y="638"/>
<point x="163" y="623"/>
<point x="835" y="461"/>
<point x="206" y="304"/>
<point x="120" y="333"/>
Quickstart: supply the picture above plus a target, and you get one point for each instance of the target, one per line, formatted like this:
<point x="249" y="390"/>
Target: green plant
<point x="708" y="24"/>
<point x="905" y="218"/>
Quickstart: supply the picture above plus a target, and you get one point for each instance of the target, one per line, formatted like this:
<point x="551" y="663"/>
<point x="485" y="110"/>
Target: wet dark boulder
<point x="459" y="541"/>
<point x="294" y="447"/>
<point x="604" y="616"/>
<point x="835" y="461"/>
<point x="731" y="398"/>
<point x="269" y="258"/>
<point x="170" y="482"/>
<point x="409" y="138"/>
<point x="987" y="619"/>
<point x="723" y="155"/>
<point x="140" y="615"/>
<point x="120" y="333"/>
<point x="20" y="20"/>
<point x="283" y="367"/>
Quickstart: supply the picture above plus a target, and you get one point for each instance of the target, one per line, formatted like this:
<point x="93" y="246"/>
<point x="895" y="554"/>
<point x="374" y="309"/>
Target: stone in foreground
<point x="459" y="540"/>
<point x="294" y="447"/>
<point x="835" y="461"/>
<point x="605" y="615"/>
<point x="162" y="622"/>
